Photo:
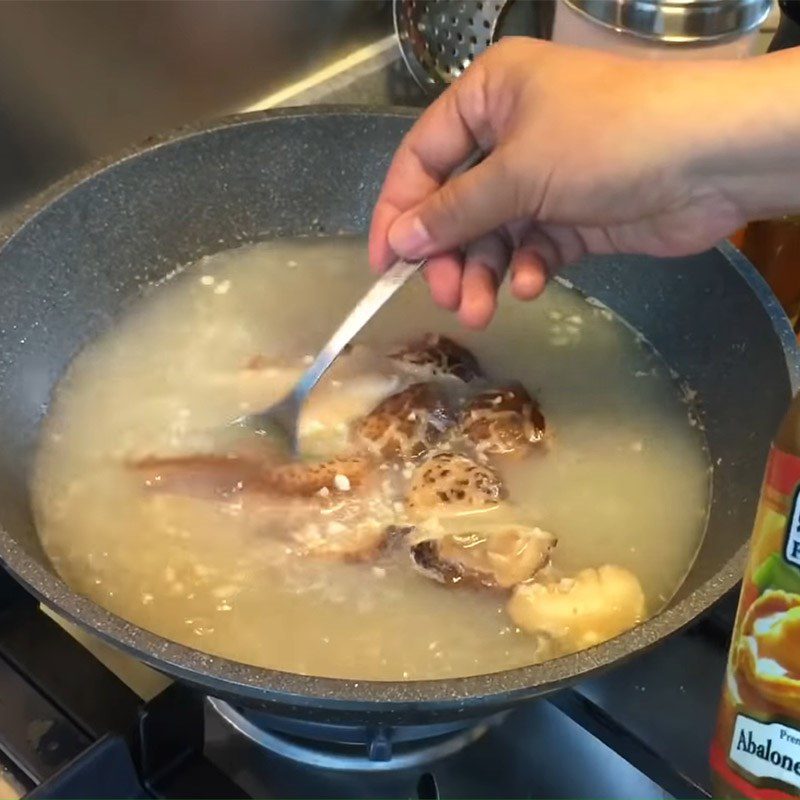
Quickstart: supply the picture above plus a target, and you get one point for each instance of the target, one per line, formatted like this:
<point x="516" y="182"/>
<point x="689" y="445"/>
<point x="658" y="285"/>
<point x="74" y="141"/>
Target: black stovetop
<point x="70" y="728"/>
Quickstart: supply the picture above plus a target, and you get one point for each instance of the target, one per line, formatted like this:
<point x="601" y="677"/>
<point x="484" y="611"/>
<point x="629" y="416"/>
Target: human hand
<point x="586" y="153"/>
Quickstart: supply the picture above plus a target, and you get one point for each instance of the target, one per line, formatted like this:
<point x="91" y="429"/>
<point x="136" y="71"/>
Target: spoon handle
<point x="362" y="313"/>
<point x="368" y="306"/>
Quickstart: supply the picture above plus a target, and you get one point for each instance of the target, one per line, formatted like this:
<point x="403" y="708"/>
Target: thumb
<point x="460" y="211"/>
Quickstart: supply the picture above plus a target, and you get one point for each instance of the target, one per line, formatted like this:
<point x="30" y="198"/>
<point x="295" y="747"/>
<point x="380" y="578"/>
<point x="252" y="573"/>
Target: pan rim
<point x="218" y="675"/>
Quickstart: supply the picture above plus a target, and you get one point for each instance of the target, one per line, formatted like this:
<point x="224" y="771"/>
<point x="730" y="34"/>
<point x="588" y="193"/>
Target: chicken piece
<point x="204" y="476"/>
<point x="325" y="510"/>
<point x="595" y="605"/>
<point x="497" y="557"/>
<point x="354" y="527"/>
<point x="435" y="356"/>
<point x="397" y="535"/>
<point x="352" y="388"/>
<point x="448" y="484"/>
<point x="259" y="361"/>
<point x="338" y="541"/>
<point x="407" y="424"/>
<point x="503" y="421"/>
<point x="225" y="475"/>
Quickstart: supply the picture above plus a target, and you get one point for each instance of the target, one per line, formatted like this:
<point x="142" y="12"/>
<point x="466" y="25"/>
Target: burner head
<point x="353" y="748"/>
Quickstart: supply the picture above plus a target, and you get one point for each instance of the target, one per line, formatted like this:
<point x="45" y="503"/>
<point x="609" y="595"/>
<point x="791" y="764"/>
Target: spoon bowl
<point x="281" y="420"/>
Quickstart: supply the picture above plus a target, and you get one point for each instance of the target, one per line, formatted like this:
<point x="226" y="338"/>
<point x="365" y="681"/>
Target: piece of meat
<point x="435" y="356"/>
<point x="355" y="528"/>
<point x="351" y="389"/>
<point x="407" y="424"/>
<point x="594" y="605"/>
<point x="325" y="510"/>
<point x="448" y="484"/>
<point x="338" y="541"/>
<point x="259" y="361"/>
<point x="397" y="535"/>
<point x="498" y="557"/>
<point x="225" y="475"/>
<point x="204" y="476"/>
<point x="503" y="421"/>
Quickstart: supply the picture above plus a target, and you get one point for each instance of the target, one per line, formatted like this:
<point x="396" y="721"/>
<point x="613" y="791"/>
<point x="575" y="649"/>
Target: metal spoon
<point x="282" y="418"/>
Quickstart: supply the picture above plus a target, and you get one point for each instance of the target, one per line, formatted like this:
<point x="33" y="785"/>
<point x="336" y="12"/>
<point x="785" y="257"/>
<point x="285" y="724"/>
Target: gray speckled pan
<point x="88" y="246"/>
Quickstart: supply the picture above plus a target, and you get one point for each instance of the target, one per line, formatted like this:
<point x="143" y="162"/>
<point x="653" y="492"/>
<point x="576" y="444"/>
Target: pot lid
<point x="677" y="21"/>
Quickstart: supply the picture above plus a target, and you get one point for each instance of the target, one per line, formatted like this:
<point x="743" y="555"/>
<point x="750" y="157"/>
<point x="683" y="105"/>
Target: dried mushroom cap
<point x="503" y="421"/>
<point x="496" y="558"/>
<point x="305" y="479"/>
<point x="435" y="355"/>
<point x="448" y="484"/>
<point x="407" y="424"/>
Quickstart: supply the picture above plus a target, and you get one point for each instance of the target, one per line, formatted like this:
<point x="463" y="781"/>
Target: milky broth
<point x="625" y="479"/>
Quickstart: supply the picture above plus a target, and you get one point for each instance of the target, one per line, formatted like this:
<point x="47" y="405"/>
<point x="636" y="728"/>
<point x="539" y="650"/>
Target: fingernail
<point x="525" y="285"/>
<point x="409" y="237"/>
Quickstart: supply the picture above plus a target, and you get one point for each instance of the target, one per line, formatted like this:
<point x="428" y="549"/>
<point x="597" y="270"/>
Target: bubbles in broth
<point x="621" y="477"/>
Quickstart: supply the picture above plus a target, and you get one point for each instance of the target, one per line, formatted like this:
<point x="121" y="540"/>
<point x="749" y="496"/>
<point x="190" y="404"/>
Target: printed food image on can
<point x="756" y="749"/>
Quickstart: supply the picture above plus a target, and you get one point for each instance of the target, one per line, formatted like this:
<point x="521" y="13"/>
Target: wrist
<point x="748" y="148"/>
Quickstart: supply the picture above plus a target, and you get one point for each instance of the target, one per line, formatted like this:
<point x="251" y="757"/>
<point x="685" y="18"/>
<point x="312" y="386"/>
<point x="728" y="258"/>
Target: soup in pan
<point x="466" y="503"/>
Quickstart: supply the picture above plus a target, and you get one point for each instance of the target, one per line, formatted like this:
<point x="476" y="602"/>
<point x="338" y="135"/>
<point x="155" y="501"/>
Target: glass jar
<point x="773" y="247"/>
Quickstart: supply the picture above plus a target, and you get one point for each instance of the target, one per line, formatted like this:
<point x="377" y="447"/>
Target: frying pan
<point x="85" y="249"/>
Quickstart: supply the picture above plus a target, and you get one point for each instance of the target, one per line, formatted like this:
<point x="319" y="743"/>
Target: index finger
<point x="442" y="138"/>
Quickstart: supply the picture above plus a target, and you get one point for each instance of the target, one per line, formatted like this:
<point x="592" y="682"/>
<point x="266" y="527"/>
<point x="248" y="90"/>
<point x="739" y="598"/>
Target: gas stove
<point x="69" y="728"/>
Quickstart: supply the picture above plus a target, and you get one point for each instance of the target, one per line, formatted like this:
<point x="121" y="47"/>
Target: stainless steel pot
<point x="699" y="22"/>
<point x="86" y="248"/>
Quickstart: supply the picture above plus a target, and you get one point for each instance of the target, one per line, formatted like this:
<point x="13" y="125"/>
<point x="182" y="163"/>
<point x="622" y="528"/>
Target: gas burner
<point x="534" y="751"/>
<point x="351" y="748"/>
<point x="276" y="757"/>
